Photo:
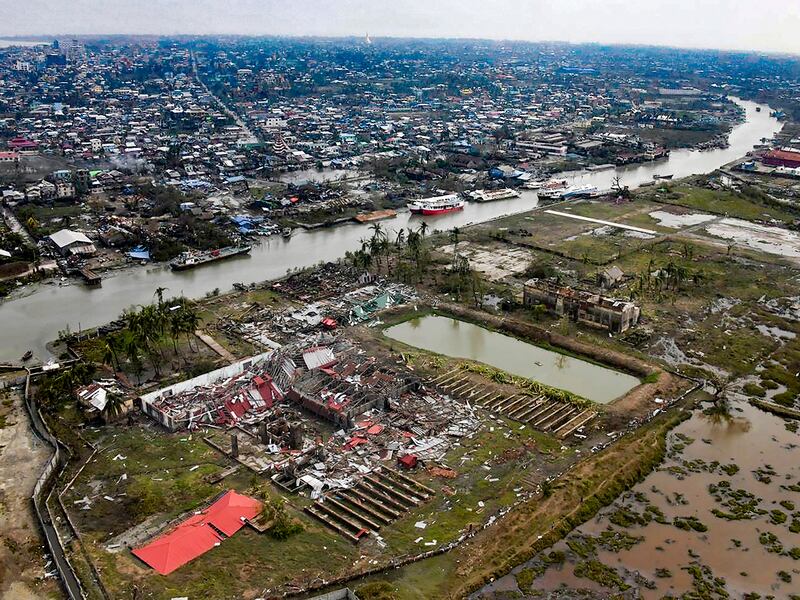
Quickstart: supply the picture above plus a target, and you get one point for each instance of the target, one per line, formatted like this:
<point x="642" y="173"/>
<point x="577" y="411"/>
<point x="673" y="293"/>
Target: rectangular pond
<point x="459" y="339"/>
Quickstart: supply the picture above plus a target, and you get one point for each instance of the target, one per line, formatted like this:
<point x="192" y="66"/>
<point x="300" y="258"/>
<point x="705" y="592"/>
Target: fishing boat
<point x="189" y="260"/>
<point x="27" y="356"/>
<point x="662" y="176"/>
<point x="436" y="205"/>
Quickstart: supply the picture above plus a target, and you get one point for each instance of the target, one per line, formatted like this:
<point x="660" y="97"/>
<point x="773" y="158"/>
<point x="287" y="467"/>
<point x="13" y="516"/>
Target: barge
<point x="190" y="260"/>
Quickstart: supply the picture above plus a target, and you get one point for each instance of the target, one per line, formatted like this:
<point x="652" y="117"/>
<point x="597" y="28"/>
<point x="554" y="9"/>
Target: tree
<point x="454" y="237"/>
<point x="114" y="406"/>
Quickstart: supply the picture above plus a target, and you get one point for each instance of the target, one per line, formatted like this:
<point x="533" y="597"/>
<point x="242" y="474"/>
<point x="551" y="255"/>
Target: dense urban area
<point x="393" y="319"/>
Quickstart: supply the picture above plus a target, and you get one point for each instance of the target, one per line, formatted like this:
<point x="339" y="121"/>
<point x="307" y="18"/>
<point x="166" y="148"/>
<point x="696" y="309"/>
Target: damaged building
<point x="582" y="306"/>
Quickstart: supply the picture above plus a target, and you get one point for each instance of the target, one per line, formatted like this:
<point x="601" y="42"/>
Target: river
<point x="25" y="43"/>
<point x="31" y="320"/>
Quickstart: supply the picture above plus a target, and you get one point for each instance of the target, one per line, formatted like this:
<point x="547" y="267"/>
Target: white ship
<point x="436" y="205"/>
<point x="553" y="188"/>
<point x="579" y="191"/>
<point x="492" y="195"/>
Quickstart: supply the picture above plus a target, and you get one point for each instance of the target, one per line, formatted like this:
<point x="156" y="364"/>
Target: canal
<point x="32" y="319"/>
<point x="459" y="339"/>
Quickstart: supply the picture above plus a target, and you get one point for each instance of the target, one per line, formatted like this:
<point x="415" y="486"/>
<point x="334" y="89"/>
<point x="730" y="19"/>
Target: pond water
<point x="459" y="339"/>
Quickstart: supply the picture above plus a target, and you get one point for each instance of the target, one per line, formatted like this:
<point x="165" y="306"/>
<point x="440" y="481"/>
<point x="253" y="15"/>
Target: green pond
<point x="460" y="339"/>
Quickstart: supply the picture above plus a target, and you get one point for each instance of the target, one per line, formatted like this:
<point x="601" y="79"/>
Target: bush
<point x="377" y="590"/>
<point x="752" y="389"/>
<point x="785" y="399"/>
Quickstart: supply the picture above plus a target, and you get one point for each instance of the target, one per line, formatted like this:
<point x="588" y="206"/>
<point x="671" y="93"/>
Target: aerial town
<point x="385" y="318"/>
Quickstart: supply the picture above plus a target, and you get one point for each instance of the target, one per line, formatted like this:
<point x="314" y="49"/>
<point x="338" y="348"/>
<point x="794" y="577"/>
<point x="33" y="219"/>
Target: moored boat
<point x="492" y="195"/>
<point x="189" y="260"/>
<point x="579" y="191"/>
<point x="436" y="205"/>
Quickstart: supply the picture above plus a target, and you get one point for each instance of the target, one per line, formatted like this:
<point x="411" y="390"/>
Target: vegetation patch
<point x="600" y="573"/>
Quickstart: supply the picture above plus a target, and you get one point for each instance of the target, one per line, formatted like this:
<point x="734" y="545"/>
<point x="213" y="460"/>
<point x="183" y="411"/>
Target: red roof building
<point x="782" y="158"/>
<point x="199" y="533"/>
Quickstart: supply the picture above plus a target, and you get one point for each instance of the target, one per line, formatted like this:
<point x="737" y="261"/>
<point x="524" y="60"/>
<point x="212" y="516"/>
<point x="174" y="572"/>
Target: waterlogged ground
<point x="720" y="518"/>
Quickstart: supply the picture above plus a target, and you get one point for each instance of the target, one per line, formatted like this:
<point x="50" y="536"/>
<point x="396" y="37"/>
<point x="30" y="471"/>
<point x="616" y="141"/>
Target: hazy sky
<point x="770" y="25"/>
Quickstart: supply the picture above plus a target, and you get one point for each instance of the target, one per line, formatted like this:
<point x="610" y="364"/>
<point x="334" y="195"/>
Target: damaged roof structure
<point x="267" y="413"/>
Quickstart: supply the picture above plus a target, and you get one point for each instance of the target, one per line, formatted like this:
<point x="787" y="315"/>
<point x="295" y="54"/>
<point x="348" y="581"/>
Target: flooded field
<point x="459" y="339"/>
<point x="712" y="521"/>
<point x="673" y="221"/>
<point x="773" y="240"/>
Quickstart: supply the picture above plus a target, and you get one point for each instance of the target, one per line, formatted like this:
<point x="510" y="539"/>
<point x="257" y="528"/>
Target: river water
<point x="32" y="320"/>
<point x="459" y="339"/>
<point x="27" y="43"/>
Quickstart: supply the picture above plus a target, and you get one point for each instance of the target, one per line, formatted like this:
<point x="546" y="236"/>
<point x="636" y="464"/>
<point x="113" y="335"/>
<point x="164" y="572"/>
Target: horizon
<point x="715" y="25"/>
<point x="99" y="37"/>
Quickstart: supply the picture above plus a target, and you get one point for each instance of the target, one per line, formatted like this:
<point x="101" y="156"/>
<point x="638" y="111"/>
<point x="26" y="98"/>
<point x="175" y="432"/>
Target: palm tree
<point x="454" y="235"/>
<point x="423" y="228"/>
<point x="114" y="405"/>
<point x="159" y="293"/>
<point x="377" y="231"/>
<point x="110" y="354"/>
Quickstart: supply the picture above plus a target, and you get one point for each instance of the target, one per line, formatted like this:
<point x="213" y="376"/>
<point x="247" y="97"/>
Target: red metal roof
<point x="783" y="155"/>
<point x="228" y="513"/>
<point x="186" y="542"/>
<point x="199" y="533"/>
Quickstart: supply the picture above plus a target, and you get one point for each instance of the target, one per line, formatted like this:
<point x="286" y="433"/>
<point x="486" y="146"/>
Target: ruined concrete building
<point x="584" y="307"/>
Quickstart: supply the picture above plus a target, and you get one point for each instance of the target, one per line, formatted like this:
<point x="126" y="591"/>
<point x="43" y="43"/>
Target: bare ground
<point x="23" y="560"/>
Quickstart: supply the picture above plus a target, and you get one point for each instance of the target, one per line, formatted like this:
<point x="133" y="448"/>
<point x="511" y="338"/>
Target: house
<point x="610" y="277"/>
<point x="95" y="398"/>
<point x="582" y="306"/>
<point x="72" y="243"/>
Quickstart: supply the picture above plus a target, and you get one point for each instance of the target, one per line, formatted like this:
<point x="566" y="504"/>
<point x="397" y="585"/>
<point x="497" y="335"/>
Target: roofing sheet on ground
<point x="199" y="533"/>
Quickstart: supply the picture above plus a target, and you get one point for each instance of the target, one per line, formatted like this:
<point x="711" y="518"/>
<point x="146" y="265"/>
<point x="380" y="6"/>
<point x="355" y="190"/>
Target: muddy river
<point x="722" y="514"/>
<point x="459" y="339"/>
<point x="31" y="321"/>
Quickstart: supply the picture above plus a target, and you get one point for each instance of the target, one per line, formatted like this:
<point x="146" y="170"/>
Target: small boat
<point x="286" y="232"/>
<point x="27" y="356"/>
<point x="662" y="176"/>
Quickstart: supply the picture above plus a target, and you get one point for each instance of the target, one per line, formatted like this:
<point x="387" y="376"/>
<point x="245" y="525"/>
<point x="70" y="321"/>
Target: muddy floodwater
<point x="720" y="516"/>
<point x="459" y="339"/>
